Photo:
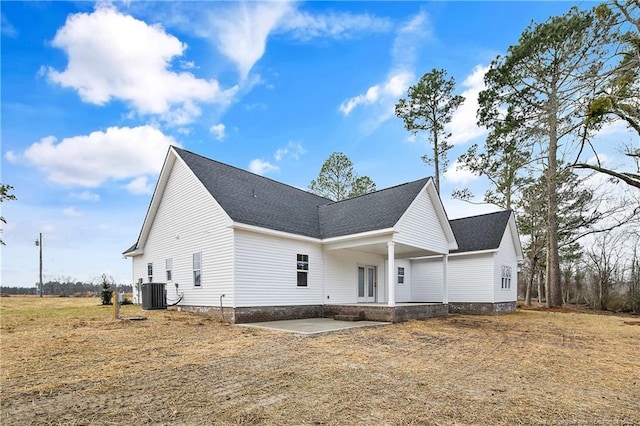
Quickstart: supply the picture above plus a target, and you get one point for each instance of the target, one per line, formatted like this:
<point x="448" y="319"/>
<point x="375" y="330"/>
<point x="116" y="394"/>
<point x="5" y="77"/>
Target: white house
<point x="247" y="248"/>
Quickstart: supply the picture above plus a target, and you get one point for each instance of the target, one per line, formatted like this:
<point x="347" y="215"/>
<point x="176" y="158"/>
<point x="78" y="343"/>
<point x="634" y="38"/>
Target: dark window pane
<point x="302" y="279"/>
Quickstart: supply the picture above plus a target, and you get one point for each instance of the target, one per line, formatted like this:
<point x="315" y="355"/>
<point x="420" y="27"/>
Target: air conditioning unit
<point x="154" y="296"/>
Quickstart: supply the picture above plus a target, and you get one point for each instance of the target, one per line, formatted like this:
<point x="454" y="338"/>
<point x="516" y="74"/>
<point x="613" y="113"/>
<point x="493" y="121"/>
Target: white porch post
<point x="391" y="274"/>
<point x="445" y="283"/>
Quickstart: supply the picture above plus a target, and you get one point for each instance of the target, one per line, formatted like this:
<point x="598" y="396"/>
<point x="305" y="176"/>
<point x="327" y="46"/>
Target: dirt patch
<point x="67" y="362"/>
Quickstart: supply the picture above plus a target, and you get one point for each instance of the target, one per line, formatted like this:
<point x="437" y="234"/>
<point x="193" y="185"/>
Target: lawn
<point x="66" y="361"/>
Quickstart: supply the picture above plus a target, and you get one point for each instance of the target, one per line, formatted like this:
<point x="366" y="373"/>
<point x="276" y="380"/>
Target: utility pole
<point x="39" y="244"/>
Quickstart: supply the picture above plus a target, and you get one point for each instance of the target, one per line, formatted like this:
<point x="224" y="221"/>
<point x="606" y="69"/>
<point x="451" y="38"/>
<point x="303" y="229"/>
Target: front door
<point x="367" y="284"/>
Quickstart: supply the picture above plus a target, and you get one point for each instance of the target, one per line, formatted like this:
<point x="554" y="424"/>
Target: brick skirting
<point x="482" y="308"/>
<point x="277" y="313"/>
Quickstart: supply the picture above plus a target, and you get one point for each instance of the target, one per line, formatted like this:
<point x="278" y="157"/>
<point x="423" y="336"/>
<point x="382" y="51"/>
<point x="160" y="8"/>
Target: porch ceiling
<point x="402" y="251"/>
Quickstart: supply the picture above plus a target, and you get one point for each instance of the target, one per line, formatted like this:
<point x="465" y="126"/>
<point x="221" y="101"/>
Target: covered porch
<point x="372" y="273"/>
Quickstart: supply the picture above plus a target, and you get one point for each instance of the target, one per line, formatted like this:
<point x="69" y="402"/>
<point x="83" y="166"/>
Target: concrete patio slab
<point x="312" y="325"/>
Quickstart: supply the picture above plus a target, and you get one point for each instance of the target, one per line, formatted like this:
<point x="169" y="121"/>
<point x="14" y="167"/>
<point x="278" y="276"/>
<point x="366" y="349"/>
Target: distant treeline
<point x="64" y="288"/>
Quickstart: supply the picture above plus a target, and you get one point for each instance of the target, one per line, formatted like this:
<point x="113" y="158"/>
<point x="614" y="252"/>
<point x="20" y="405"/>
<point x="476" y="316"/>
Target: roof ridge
<point x="378" y="191"/>
<point x="249" y="172"/>
<point x="482" y="214"/>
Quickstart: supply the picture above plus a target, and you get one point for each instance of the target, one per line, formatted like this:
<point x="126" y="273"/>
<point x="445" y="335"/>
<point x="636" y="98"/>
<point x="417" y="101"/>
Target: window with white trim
<point x="197" y="269"/>
<point x="506" y="277"/>
<point x="400" y="275"/>
<point x="150" y="271"/>
<point x="302" y="268"/>
<point x="169" y="268"/>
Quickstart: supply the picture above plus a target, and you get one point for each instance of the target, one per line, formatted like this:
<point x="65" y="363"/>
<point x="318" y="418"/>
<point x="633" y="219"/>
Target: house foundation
<point x="369" y="312"/>
<point x="480" y="308"/>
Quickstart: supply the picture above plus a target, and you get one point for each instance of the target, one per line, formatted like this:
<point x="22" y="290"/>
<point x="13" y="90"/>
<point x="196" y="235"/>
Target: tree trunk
<point x="554" y="294"/>
<point x="540" y="288"/>
<point x="527" y="295"/>
<point x="436" y="161"/>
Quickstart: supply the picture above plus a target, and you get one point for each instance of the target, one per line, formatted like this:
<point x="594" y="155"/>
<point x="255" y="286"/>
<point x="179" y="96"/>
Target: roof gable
<point x="483" y="232"/>
<point x="376" y="210"/>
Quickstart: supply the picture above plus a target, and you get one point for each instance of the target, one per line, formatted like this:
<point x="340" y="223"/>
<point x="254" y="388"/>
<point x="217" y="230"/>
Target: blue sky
<point x="93" y="94"/>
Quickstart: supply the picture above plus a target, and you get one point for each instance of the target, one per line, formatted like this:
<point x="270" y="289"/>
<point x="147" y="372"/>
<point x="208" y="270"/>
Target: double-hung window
<point x="302" y="269"/>
<point x="506" y="277"/>
<point x="150" y="271"/>
<point x="400" y="275"/>
<point x="197" y="268"/>
<point x="169" y="268"/>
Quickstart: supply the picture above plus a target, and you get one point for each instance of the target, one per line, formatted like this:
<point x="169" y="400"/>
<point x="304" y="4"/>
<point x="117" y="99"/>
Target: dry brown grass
<point x="64" y="361"/>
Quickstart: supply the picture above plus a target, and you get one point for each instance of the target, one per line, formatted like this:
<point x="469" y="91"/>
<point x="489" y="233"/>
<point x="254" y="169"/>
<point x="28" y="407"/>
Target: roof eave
<point x="133" y="253"/>
<point x="273" y="232"/>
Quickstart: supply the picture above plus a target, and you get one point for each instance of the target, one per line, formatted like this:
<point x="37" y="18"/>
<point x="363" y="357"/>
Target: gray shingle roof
<point x="483" y="232"/>
<point x="256" y="200"/>
<point x="377" y="210"/>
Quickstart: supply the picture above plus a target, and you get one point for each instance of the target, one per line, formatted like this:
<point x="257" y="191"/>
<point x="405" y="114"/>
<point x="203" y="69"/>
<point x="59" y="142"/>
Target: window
<point x="303" y="269"/>
<point x="400" y="275"/>
<point x="150" y="271"/>
<point x="197" y="266"/>
<point x="506" y="277"/>
<point x="169" y="267"/>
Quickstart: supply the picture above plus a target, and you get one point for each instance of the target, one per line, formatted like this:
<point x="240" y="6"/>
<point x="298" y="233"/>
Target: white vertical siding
<point x="188" y="220"/>
<point x="266" y="273"/>
<point x="426" y="280"/>
<point x="341" y="275"/>
<point x="471" y="277"/>
<point x="506" y="256"/>
<point x="419" y="226"/>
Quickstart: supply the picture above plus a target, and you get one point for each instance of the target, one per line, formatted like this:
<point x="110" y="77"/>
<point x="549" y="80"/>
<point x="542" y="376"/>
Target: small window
<point x="197" y="267"/>
<point x="506" y="277"/>
<point x="169" y="268"/>
<point x="150" y="271"/>
<point x="400" y="275"/>
<point x="302" y="269"/>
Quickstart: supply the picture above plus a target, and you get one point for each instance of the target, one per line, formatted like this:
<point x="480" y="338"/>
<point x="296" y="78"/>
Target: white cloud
<point x="293" y="150"/>
<point x="458" y="174"/>
<point x="11" y="157"/>
<point x="463" y="125"/>
<point x="115" y="56"/>
<point x="240" y="31"/>
<point x="139" y="186"/>
<point x="119" y="153"/>
<point x="305" y="26"/>
<point x="411" y="35"/>
<point x="71" y="212"/>
<point x="218" y="131"/>
<point x="261" y="167"/>
<point x="386" y="92"/>
<point x="383" y="96"/>
<point x="86" y="196"/>
<point x="6" y="28"/>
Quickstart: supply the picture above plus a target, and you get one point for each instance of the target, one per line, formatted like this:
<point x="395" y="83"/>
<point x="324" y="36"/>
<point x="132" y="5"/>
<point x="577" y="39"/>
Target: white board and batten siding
<point x="341" y="275"/>
<point x="506" y="256"/>
<point x="266" y="271"/>
<point x="189" y="220"/>
<point x="419" y="226"/>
